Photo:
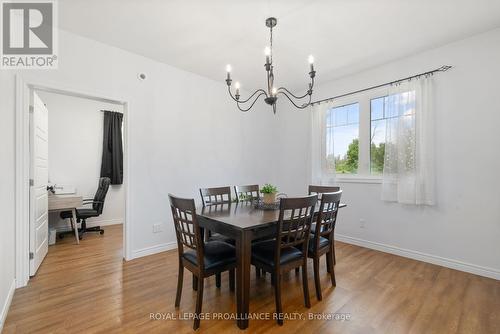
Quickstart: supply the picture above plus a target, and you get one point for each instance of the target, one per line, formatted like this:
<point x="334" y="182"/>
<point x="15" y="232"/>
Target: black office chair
<point x="82" y="214"/>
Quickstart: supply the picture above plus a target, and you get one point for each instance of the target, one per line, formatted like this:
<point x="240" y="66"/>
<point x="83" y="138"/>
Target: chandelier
<point x="271" y="94"/>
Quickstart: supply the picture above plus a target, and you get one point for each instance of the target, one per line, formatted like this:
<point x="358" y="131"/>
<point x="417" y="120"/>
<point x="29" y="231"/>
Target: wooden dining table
<point x="243" y="223"/>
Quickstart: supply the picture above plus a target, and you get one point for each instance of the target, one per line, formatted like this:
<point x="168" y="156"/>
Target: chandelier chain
<point x="271" y="44"/>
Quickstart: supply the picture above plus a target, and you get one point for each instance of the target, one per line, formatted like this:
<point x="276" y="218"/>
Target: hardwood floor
<point x="88" y="289"/>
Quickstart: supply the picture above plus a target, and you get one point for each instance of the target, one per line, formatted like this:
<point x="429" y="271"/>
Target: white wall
<point x="7" y="192"/>
<point x="75" y="153"/>
<point x="463" y="230"/>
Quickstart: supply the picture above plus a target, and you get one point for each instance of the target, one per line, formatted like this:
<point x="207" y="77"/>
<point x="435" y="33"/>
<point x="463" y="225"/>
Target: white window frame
<point x="364" y="100"/>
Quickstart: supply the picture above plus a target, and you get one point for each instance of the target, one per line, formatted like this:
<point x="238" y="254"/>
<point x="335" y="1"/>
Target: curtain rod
<point x="443" y="68"/>
<point x="103" y="110"/>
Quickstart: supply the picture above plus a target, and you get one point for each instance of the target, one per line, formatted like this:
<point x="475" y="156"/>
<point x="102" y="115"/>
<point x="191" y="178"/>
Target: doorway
<point x="75" y="148"/>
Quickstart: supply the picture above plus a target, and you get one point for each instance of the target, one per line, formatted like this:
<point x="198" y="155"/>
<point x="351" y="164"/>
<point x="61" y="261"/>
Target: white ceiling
<point x="344" y="36"/>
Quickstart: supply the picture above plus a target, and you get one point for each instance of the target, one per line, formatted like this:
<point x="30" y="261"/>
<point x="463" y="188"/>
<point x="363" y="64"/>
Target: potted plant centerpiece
<point x="269" y="191"/>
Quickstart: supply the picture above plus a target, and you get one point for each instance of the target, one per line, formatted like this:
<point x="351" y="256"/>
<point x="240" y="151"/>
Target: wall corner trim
<point x="6" y="305"/>
<point x="153" y="249"/>
<point x="424" y="257"/>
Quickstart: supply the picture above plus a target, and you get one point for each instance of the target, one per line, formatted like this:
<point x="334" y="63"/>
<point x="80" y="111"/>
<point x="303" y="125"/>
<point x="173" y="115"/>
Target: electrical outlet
<point x="157" y="228"/>
<point x="362" y="223"/>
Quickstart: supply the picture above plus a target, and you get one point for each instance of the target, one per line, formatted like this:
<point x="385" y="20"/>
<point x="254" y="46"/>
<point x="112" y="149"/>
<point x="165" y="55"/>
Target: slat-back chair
<point x="246" y="193"/>
<point x="280" y="255"/>
<point x="202" y="259"/>
<point x="320" y="190"/>
<point x="215" y="196"/>
<point x="320" y="242"/>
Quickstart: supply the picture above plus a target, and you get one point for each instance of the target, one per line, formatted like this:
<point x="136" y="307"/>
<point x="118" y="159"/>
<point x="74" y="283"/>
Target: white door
<point x="39" y="159"/>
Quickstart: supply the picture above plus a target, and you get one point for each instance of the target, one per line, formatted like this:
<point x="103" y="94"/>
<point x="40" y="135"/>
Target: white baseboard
<point x="105" y="222"/>
<point x="441" y="261"/>
<point x="6" y="305"/>
<point x="153" y="249"/>
<point x="92" y="224"/>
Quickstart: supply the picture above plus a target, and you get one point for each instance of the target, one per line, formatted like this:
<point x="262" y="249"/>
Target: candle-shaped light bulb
<point x="228" y="70"/>
<point x="267" y="52"/>
<point x="237" y="86"/>
<point x="311" y="62"/>
<point x="274" y="91"/>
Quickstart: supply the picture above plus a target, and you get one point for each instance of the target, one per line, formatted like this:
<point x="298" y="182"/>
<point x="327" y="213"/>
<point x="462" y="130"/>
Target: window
<point x="377" y="134"/>
<point x="354" y="141"/>
<point x="342" y="138"/>
<point x="383" y="111"/>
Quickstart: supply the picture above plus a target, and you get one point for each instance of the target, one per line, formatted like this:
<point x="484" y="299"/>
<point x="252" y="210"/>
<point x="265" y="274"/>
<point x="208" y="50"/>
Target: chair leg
<point x="180" y="279"/>
<point x="328" y="268"/>
<point x="231" y="279"/>
<point x="305" y="285"/>
<point x="199" y="301"/>
<point x="195" y="283"/>
<point x="329" y="258"/>
<point x="218" y="280"/>
<point x="333" y="252"/>
<point x="297" y="270"/>
<point x="277" y="297"/>
<point x="317" y="282"/>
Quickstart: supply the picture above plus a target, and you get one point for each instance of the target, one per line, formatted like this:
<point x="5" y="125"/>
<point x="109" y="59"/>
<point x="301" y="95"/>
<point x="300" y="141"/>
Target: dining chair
<point x="280" y="255"/>
<point x="203" y="259"/>
<point x="246" y="193"/>
<point x="320" y="242"/>
<point x="321" y="190"/>
<point x="215" y="197"/>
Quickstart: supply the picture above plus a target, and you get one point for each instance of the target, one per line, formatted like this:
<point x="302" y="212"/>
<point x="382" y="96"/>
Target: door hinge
<point x="32" y="182"/>
<point x="32" y="255"/>
<point x="32" y="109"/>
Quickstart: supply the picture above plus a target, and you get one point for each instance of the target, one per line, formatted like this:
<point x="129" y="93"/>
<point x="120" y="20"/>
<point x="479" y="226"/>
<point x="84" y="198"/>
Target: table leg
<point x="73" y="212"/>
<point x="243" y="254"/>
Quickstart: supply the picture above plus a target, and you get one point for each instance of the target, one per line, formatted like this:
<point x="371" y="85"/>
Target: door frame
<point x="22" y="164"/>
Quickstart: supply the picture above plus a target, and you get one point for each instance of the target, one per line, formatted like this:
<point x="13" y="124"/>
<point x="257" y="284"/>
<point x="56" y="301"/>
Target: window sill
<point x="340" y="178"/>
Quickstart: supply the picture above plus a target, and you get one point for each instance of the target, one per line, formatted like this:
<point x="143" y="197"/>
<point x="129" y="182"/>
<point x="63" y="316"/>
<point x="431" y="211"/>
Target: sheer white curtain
<point x="321" y="173"/>
<point x="408" y="175"/>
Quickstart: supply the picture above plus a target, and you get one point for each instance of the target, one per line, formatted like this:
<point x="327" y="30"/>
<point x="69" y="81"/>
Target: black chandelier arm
<point x="251" y="105"/>
<point x="245" y="101"/>
<point x="305" y="105"/>
<point x="308" y="92"/>
<point x="293" y="95"/>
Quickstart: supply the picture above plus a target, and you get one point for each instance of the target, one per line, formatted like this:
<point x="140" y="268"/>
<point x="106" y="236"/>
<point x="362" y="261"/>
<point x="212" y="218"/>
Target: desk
<point x="66" y="203"/>
<point x="243" y="223"/>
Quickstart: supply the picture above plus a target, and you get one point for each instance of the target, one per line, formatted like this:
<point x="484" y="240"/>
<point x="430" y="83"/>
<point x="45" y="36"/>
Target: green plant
<point x="268" y="189"/>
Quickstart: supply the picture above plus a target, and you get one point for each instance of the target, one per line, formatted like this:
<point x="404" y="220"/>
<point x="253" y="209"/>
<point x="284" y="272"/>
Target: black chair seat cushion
<point x="221" y="237"/>
<point x="80" y="214"/>
<point x="217" y="254"/>
<point x="263" y="252"/>
<point x="322" y="243"/>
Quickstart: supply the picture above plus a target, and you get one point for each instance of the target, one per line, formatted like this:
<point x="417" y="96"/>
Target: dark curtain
<point x="112" y="147"/>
